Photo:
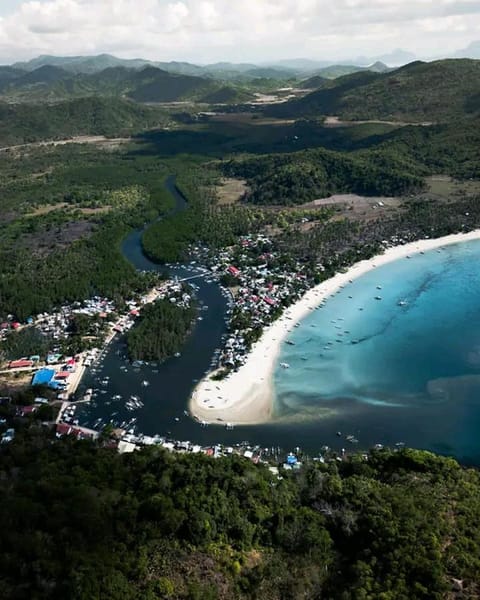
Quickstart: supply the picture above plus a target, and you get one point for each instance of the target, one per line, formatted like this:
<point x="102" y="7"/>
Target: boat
<point x="402" y="303"/>
<point x="177" y="355"/>
<point x="284" y="365"/>
<point x="145" y="383"/>
<point x="378" y="297"/>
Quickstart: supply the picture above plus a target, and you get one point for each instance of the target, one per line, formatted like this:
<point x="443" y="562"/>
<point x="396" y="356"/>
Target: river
<point x="171" y="383"/>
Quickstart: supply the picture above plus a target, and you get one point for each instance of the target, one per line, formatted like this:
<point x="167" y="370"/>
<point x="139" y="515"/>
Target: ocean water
<point x="401" y="369"/>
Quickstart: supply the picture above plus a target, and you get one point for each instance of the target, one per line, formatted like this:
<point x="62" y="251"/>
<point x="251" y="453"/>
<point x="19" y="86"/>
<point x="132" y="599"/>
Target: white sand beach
<point x="246" y="396"/>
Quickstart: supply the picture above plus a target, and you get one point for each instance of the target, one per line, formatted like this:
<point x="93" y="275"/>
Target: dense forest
<point x="310" y="174"/>
<point x="26" y="123"/>
<point x="82" y="522"/>
<point x="161" y="330"/>
<point x="65" y="212"/>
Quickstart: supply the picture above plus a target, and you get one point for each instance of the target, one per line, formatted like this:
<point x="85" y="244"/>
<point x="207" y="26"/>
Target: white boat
<point x="284" y="365"/>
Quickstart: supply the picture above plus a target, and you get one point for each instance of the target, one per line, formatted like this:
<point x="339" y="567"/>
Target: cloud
<point x="206" y="30"/>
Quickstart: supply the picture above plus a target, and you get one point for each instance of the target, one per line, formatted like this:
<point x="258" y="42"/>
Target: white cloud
<point x="207" y="30"/>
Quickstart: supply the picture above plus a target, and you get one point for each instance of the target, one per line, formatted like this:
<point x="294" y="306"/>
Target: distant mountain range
<point x="288" y="69"/>
<point x="417" y="91"/>
<point x="51" y="78"/>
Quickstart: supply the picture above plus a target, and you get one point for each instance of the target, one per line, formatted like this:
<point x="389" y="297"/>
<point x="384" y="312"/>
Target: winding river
<point x="171" y="383"/>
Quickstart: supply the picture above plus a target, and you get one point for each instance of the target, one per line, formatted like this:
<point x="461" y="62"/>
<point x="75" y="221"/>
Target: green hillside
<point x="436" y="91"/>
<point x="154" y="85"/>
<point x="85" y="523"/>
<point x="146" y="84"/>
<point x="312" y="83"/>
<point x="81" y="64"/>
<point x="23" y="123"/>
<point x="335" y="71"/>
<point x="295" y="178"/>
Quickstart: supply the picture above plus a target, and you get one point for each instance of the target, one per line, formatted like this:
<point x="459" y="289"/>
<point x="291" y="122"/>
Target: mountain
<point x="312" y="83"/>
<point x="270" y="73"/>
<point x="45" y="74"/>
<point x="8" y="75"/>
<point x="301" y="64"/>
<point x="147" y="84"/>
<point x="24" y="123"/>
<point x="395" y="58"/>
<point x="228" y="66"/>
<point x="437" y="91"/>
<point x="334" y="71"/>
<point x="154" y="85"/>
<point x="81" y="64"/>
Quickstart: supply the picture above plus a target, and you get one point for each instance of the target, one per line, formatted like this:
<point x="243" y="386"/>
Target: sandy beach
<point x="246" y="396"/>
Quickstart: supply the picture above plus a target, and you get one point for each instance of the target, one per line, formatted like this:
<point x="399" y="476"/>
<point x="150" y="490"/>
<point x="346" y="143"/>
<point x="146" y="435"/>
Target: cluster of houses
<point x="126" y="443"/>
<point x="262" y="286"/>
<point x="175" y="291"/>
<point x="11" y="324"/>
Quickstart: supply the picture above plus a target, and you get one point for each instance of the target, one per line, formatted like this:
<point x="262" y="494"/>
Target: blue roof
<point x="291" y="459"/>
<point x="43" y="377"/>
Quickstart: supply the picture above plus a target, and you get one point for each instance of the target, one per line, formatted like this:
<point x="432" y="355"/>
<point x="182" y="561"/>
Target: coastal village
<point x="259" y="285"/>
<point x="255" y="283"/>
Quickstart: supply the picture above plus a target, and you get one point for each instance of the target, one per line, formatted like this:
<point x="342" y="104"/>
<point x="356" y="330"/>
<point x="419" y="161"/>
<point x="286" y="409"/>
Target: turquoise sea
<point x="401" y="369"/>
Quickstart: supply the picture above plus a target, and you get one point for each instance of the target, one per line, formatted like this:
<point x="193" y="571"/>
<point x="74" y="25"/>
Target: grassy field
<point x="445" y="187"/>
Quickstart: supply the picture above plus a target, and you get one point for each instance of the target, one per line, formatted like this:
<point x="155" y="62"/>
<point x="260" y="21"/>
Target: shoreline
<point x="246" y="397"/>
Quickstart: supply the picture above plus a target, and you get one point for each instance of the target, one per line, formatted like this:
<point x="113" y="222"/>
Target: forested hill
<point x="300" y="177"/>
<point x="24" y="123"/>
<point x="85" y="523"/>
<point x="146" y="84"/>
<point x="432" y="92"/>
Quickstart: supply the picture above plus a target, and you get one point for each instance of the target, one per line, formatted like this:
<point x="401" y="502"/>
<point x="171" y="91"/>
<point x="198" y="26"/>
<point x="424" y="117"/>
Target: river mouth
<point x="434" y="406"/>
<point x="163" y="389"/>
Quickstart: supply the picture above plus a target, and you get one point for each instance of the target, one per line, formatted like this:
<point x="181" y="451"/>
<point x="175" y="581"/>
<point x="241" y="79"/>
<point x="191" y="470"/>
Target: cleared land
<point x="230" y="191"/>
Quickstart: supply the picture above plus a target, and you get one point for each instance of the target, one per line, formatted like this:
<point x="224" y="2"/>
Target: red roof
<point x="134" y="312"/>
<point x="269" y="300"/>
<point x="18" y="364"/>
<point x="233" y="271"/>
<point x="28" y="410"/>
<point x="63" y="428"/>
<point x="62" y="375"/>
<point x="16" y="325"/>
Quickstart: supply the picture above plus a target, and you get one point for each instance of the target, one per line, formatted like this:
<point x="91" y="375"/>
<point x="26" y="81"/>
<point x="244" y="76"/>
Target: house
<point x="20" y="364"/>
<point x="233" y="271"/>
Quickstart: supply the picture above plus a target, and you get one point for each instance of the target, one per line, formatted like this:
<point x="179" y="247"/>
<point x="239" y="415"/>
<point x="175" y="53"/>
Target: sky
<point x="204" y="31"/>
